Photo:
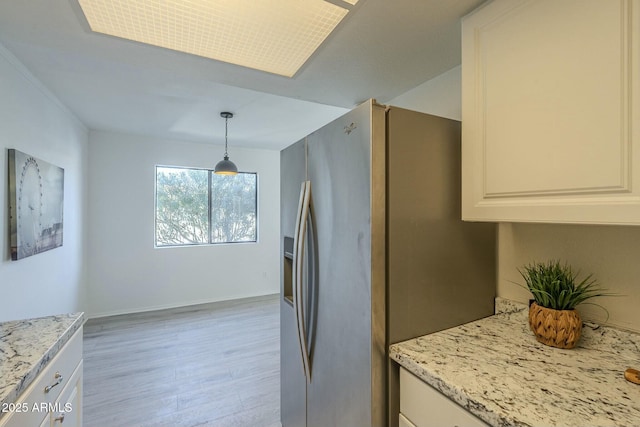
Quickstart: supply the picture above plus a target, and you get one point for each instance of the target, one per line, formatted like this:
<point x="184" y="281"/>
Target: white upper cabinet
<point x="551" y="111"/>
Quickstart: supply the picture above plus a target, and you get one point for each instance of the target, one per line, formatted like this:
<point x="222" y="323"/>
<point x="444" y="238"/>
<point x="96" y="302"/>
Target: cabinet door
<point x="550" y="101"/>
<point x="23" y="415"/>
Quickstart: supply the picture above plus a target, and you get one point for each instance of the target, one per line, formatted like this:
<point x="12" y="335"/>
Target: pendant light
<point x="226" y="166"/>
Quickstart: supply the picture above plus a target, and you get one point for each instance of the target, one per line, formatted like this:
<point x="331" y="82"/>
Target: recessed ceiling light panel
<point x="277" y="36"/>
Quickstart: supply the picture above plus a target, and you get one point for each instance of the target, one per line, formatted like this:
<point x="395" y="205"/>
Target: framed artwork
<point x="36" y="201"/>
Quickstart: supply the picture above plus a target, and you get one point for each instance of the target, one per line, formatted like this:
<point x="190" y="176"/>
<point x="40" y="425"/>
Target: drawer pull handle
<point x="58" y="378"/>
<point x="59" y="418"/>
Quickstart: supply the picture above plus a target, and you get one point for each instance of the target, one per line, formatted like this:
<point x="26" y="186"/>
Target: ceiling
<point x="381" y="50"/>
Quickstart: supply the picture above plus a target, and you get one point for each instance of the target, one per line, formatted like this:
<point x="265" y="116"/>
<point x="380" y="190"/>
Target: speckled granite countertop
<point x="496" y="369"/>
<point x="26" y="346"/>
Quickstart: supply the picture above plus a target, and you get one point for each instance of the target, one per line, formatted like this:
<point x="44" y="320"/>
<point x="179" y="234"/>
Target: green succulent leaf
<point x="555" y="285"/>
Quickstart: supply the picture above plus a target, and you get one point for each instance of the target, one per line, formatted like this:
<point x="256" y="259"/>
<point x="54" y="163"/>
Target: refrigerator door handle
<point x="298" y="255"/>
<point x="302" y="234"/>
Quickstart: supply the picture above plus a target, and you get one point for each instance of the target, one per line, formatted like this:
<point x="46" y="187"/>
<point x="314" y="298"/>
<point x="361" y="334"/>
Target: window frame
<point x="209" y="242"/>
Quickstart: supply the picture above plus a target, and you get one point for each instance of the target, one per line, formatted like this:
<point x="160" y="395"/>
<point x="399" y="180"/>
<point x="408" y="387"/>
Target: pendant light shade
<point x="226" y="166"/>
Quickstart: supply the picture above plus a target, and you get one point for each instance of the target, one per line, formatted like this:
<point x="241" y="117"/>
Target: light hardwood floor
<point x="207" y="365"/>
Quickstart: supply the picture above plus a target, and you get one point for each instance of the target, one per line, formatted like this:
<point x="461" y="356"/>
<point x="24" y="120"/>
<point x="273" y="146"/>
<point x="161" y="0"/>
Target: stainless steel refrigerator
<point x="373" y="253"/>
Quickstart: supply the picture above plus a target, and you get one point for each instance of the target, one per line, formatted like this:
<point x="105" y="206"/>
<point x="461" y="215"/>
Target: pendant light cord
<point x="226" y="122"/>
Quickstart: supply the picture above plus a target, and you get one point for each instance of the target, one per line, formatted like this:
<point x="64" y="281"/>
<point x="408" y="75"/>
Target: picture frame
<point x="36" y="204"/>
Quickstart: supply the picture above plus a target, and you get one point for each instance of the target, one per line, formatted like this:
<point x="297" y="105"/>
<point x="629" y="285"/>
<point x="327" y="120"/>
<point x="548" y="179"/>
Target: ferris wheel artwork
<point x="36" y="201"/>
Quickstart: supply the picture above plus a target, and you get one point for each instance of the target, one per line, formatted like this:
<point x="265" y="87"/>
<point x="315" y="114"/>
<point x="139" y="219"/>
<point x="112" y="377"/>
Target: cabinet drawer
<point x="32" y="407"/>
<point x="68" y="408"/>
<point x="404" y="422"/>
<point x="424" y="406"/>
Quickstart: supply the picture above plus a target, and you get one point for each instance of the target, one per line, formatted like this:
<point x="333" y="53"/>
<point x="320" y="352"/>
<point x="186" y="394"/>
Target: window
<point x="198" y="207"/>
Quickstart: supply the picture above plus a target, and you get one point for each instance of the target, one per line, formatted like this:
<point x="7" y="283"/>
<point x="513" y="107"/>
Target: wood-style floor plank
<point x="212" y="365"/>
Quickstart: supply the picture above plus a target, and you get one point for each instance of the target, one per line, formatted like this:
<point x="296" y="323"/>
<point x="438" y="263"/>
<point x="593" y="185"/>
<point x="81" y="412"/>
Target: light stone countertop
<point x="26" y="346"/>
<point x="495" y="368"/>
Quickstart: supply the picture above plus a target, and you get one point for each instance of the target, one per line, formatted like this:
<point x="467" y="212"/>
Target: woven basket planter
<point x="556" y="328"/>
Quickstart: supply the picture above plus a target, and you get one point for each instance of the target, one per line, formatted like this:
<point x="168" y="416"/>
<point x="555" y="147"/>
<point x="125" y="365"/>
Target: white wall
<point x="439" y="96"/>
<point x="126" y="273"/>
<point x="611" y="253"/>
<point x="33" y="121"/>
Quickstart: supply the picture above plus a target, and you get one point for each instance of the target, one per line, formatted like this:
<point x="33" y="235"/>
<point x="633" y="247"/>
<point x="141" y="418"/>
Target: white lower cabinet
<point x="423" y="406"/>
<point x="54" y="398"/>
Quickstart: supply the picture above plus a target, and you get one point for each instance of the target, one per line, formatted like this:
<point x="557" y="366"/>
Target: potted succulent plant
<point x="556" y="292"/>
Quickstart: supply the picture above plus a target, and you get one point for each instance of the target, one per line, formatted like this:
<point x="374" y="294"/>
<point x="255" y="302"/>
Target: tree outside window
<point x="196" y="206"/>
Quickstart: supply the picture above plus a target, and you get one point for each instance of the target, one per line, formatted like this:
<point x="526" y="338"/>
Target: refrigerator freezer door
<point x="292" y="379"/>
